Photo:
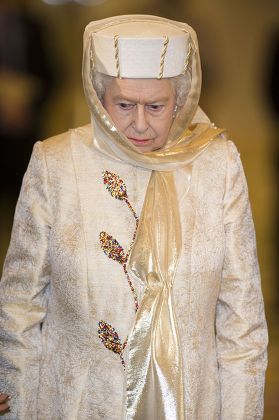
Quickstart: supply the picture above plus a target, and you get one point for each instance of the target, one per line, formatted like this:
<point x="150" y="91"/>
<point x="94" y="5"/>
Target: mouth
<point x="139" y="142"/>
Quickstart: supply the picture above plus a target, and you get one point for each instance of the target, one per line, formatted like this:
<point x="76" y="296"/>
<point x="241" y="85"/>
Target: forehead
<point x="141" y="89"/>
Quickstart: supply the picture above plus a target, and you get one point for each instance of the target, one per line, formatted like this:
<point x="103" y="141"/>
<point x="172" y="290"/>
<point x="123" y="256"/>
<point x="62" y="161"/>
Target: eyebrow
<point x="124" y="98"/>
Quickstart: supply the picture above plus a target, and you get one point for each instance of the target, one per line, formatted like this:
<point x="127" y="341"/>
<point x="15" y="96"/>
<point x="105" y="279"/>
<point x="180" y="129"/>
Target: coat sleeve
<point x="23" y="291"/>
<point x="240" y="321"/>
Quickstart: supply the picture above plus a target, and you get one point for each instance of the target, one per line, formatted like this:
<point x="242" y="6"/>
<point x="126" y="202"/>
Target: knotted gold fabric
<point x="154" y="371"/>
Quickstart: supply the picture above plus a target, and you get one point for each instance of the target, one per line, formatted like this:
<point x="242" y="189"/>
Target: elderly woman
<point x="131" y="286"/>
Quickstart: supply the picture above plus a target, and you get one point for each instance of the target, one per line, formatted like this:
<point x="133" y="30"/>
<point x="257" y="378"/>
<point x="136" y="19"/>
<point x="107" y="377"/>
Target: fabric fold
<point x="154" y="368"/>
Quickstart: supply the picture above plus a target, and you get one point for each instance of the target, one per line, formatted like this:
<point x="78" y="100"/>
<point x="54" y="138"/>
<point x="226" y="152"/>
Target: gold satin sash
<point x="155" y="389"/>
<point x="154" y="366"/>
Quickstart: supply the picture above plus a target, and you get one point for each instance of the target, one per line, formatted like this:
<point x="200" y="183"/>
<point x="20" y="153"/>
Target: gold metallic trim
<point x="116" y="54"/>
<point x="137" y="20"/>
<point x="163" y="55"/>
<point x="92" y="54"/>
<point x="188" y="56"/>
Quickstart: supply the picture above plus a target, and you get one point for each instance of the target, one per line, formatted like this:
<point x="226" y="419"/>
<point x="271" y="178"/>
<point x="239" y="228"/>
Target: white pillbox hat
<point x="136" y="48"/>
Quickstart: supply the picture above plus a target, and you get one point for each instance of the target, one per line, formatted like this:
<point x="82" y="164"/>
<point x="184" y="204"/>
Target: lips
<point x="139" y="141"/>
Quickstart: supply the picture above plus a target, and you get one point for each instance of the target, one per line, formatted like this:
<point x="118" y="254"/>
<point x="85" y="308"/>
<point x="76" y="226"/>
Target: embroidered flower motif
<point x="115" y="185"/>
<point x="111" y="340"/>
<point x="112" y="248"/>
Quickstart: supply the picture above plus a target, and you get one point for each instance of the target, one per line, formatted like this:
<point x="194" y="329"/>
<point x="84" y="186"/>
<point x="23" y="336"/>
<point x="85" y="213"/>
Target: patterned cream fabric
<point x="56" y="273"/>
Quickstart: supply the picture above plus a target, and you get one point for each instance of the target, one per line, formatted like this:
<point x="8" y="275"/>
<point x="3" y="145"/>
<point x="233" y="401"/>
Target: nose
<point x="140" y="119"/>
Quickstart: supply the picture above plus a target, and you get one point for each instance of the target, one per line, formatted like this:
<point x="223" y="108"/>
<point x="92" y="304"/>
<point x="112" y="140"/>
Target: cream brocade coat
<point x="57" y="274"/>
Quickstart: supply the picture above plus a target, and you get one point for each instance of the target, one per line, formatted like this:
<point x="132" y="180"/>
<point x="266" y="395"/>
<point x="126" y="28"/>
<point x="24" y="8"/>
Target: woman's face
<point x="142" y="109"/>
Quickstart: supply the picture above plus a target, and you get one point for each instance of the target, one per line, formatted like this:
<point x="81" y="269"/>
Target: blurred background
<point x="41" y="95"/>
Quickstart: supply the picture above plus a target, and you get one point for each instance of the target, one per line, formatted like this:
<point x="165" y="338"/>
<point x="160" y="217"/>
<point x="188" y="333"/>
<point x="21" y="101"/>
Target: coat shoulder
<point x="61" y="143"/>
<point x="220" y="146"/>
<point x="213" y="165"/>
<point x="217" y="153"/>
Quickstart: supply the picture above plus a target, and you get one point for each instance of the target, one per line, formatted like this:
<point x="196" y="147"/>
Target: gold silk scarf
<point x="154" y="368"/>
<point x="154" y="363"/>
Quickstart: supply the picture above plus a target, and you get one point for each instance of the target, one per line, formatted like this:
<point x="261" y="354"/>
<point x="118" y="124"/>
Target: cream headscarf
<point x="154" y="363"/>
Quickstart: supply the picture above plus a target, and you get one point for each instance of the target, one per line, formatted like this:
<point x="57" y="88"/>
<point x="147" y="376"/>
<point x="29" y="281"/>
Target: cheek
<point x="122" y="123"/>
<point x="119" y="120"/>
<point x="164" y="125"/>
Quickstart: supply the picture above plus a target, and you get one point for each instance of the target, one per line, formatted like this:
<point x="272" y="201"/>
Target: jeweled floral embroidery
<point x="111" y="247"/>
<point x="111" y="340"/>
<point x="115" y="185"/>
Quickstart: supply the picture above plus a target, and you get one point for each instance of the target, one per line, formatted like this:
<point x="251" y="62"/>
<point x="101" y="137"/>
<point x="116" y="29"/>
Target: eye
<point x="126" y="106"/>
<point x="155" y="107"/>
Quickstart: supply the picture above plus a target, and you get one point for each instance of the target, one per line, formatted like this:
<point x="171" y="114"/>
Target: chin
<point x="146" y="149"/>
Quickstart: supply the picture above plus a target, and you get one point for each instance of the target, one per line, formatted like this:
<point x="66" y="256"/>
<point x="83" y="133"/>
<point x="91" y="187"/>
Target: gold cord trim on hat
<point x="187" y="58"/>
<point x="116" y="55"/>
<point x="163" y="55"/>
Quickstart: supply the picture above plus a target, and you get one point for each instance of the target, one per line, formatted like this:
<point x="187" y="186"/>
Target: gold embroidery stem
<point x="128" y="253"/>
<point x="122" y="351"/>
<point x="187" y="58"/>
<point x="136" y="228"/>
<point x="131" y="287"/>
<point x="111" y="340"/>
